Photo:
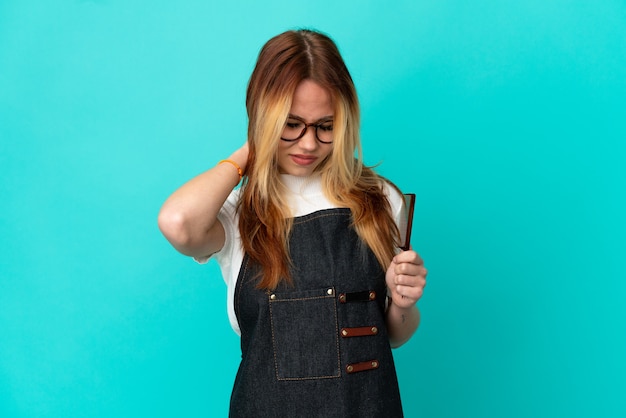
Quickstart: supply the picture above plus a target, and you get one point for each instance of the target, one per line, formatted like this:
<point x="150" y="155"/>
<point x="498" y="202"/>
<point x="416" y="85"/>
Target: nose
<point x="308" y="141"/>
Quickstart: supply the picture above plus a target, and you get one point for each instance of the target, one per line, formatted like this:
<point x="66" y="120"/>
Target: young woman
<point x="308" y="245"/>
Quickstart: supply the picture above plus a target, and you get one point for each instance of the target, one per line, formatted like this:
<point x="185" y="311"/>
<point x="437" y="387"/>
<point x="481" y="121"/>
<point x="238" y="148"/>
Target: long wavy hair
<point x="265" y="220"/>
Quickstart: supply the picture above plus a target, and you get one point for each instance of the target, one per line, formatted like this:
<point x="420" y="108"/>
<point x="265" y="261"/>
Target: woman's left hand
<point x="406" y="278"/>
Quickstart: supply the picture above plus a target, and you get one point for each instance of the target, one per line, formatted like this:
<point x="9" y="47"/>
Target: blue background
<point x="507" y="118"/>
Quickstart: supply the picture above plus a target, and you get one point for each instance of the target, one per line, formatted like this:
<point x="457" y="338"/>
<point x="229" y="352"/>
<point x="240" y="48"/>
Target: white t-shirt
<point x="305" y="196"/>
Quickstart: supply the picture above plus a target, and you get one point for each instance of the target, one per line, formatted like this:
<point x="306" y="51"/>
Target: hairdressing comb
<point x="406" y="221"/>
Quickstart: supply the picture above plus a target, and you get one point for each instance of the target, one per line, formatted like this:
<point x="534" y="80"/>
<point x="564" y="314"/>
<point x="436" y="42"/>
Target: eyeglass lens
<point x="296" y="129"/>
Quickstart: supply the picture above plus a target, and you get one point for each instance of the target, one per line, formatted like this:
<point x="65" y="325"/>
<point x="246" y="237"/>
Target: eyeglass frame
<point x="316" y="125"/>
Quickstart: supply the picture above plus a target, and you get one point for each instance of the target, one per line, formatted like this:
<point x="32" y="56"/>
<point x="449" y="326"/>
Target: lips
<point x="302" y="159"/>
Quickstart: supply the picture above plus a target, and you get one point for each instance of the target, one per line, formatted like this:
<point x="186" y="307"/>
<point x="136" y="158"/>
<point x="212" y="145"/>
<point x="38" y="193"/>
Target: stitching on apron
<point x="320" y="215"/>
<point x="270" y="303"/>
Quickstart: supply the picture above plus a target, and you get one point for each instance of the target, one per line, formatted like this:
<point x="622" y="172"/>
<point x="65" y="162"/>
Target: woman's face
<point x="311" y="104"/>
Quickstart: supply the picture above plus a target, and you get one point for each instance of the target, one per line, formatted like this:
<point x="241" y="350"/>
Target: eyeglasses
<point x="295" y="128"/>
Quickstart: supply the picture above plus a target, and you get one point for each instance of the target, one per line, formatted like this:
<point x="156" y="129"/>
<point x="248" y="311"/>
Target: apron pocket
<point x="305" y="334"/>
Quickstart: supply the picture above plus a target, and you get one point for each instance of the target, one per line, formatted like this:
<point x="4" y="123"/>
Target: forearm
<point x="188" y="218"/>
<point x="401" y="323"/>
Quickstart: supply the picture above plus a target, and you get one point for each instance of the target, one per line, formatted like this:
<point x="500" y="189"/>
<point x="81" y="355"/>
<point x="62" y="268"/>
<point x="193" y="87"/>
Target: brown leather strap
<point x="359" y="331"/>
<point x="362" y="366"/>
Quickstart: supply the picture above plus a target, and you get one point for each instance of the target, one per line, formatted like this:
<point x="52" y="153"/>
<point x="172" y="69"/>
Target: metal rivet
<point x="344" y="332"/>
<point x="374" y="364"/>
<point x="372" y="295"/>
<point x="342" y="297"/>
<point x="349" y="368"/>
<point x="374" y="330"/>
<point x="272" y="296"/>
<point x="330" y="291"/>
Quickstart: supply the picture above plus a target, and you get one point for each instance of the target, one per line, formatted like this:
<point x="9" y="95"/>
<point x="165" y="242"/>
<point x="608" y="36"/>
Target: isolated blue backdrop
<point x="507" y="118"/>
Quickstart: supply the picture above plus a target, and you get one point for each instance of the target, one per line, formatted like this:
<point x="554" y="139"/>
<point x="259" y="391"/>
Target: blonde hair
<point x="265" y="221"/>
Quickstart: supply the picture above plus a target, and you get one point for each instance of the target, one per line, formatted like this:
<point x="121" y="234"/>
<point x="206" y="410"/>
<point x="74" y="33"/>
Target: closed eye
<point x="326" y="127"/>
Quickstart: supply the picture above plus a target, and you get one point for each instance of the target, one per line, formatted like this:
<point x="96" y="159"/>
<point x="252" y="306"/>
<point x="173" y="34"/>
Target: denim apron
<point x="318" y="347"/>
